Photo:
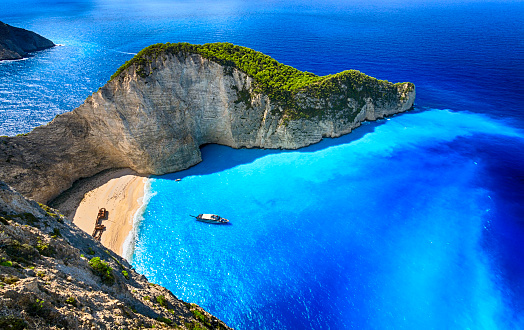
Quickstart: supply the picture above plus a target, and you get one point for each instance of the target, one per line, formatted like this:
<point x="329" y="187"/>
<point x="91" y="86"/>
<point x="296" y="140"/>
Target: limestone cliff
<point x="53" y="275"/>
<point x="15" y="42"/>
<point x="160" y="107"/>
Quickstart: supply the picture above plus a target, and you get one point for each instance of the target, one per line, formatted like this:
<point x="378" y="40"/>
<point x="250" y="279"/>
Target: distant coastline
<point x="16" y="43"/>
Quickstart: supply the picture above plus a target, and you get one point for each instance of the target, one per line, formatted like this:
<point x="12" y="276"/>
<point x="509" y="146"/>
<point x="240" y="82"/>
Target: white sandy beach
<point x="121" y="194"/>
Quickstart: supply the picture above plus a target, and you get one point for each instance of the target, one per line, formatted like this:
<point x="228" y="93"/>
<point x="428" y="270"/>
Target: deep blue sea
<point x="411" y="222"/>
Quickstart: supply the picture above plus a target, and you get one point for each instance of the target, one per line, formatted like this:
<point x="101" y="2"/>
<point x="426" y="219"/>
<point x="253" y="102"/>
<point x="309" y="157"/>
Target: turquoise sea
<point x="411" y="222"/>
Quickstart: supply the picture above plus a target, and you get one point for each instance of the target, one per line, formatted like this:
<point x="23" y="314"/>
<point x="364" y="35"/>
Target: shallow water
<point x="412" y="222"/>
<point x="381" y="230"/>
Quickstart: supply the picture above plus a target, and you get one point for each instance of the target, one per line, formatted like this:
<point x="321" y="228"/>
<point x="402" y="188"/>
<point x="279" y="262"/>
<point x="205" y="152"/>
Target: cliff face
<point x="156" y="113"/>
<point x="54" y="275"/>
<point x="15" y="42"/>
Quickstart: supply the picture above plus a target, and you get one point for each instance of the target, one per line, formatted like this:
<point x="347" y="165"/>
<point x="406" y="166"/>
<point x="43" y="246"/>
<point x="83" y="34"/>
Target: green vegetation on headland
<point x="282" y="83"/>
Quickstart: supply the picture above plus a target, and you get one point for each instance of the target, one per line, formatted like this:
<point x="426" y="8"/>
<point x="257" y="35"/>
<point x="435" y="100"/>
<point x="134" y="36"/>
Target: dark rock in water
<point x="15" y="42"/>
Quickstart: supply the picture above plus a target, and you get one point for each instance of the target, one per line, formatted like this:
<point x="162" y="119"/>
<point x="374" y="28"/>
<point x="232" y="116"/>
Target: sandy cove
<point x="120" y="192"/>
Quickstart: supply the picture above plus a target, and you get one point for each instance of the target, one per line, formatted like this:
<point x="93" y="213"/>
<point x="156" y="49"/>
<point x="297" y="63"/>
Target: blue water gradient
<point x="393" y="228"/>
<point x="413" y="222"/>
<point x="465" y="56"/>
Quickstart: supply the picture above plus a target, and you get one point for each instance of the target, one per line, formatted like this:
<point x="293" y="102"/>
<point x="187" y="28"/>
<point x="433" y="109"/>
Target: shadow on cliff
<point x="218" y="158"/>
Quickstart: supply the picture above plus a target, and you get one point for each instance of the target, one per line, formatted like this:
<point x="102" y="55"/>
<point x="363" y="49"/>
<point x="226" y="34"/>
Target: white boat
<point x="210" y="218"/>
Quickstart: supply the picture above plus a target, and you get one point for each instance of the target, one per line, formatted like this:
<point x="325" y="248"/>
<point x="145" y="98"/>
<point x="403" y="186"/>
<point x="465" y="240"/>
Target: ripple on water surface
<point x="386" y="228"/>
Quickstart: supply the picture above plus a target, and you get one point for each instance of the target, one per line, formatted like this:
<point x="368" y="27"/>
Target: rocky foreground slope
<point x="161" y="106"/>
<point x="15" y="42"/>
<point x="53" y="275"/>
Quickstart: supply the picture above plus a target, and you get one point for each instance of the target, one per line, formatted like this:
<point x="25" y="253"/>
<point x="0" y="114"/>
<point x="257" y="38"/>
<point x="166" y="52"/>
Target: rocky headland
<point x="15" y="42"/>
<point x="54" y="275"/>
<point x="170" y="99"/>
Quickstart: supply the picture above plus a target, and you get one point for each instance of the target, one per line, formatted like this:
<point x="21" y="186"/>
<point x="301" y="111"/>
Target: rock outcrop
<point x="160" y="107"/>
<point x="54" y="275"/>
<point x="15" y="42"/>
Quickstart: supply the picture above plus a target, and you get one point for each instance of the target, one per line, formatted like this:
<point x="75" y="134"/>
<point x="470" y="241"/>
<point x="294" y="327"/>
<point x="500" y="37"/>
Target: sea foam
<point x="129" y="243"/>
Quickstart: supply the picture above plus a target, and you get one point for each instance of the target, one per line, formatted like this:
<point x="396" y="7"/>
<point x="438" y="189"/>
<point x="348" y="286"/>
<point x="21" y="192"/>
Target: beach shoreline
<point x="121" y="192"/>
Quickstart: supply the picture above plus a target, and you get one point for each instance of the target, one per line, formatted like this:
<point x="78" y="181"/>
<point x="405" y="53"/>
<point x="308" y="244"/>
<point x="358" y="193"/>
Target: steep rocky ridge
<point x="54" y="275"/>
<point x="160" y="107"/>
<point x="15" y="42"/>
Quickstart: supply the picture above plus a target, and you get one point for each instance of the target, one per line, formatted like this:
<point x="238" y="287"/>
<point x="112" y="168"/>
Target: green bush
<point x="45" y="249"/>
<point x="37" y="308"/>
<point x="162" y="301"/>
<point x="199" y="316"/>
<point x="103" y="270"/>
<point x="6" y="263"/>
<point x="126" y="274"/>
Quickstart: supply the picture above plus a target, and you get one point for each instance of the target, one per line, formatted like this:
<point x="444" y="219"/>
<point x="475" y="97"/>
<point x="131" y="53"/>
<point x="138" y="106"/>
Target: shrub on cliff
<point x="103" y="270"/>
<point x="38" y="307"/>
<point x="162" y="301"/>
<point x="45" y="249"/>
